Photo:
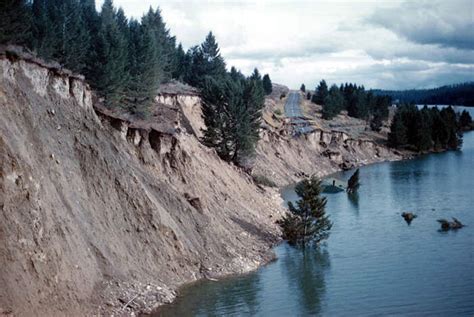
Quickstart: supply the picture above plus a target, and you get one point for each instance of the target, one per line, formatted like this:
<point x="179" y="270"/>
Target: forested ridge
<point x="459" y="94"/>
<point x="126" y="60"/>
<point x="355" y="99"/>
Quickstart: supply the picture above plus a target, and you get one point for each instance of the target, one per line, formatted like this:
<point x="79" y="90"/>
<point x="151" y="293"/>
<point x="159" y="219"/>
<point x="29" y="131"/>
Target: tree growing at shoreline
<point x="353" y="183"/>
<point x="307" y="222"/>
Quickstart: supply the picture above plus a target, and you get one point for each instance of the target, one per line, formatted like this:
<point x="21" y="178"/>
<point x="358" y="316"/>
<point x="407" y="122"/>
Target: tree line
<point x="126" y="60"/>
<point x="459" y="94"/>
<point x="358" y="102"/>
<point x="428" y="128"/>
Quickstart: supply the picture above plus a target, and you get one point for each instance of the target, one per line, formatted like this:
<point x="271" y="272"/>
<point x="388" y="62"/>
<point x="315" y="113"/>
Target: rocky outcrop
<point x="104" y="214"/>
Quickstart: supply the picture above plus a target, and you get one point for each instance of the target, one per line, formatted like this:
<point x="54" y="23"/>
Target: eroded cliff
<point x="99" y="211"/>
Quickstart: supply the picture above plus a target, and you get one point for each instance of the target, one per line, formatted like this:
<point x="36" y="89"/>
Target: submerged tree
<point x="307" y="222"/>
<point x="353" y="183"/>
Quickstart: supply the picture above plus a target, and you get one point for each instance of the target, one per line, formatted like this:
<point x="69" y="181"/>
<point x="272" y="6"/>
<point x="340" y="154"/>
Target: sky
<point x="387" y="44"/>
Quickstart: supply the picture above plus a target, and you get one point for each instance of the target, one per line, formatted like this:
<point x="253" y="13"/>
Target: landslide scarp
<point x="97" y="209"/>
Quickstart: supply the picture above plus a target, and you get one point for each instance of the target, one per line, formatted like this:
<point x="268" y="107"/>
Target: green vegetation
<point x="320" y="93"/>
<point x="278" y="112"/>
<point x="232" y="108"/>
<point x="425" y="129"/>
<point x="358" y="102"/>
<point x="333" y="103"/>
<point x="263" y="180"/>
<point x="15" y="22"/>
<point x="303" y="88"/>
<point x="267" y="84"/>
<point x="353" y="183"/>
<point x="460" y="94"/>
<point x="307" y="223"/>
<point x="465" y="120"/>
<point x="308" y="96"/>
<point x="125" y="61"/>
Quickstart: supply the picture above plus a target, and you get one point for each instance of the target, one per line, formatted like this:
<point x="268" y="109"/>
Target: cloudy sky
<point x="390" y="44"/>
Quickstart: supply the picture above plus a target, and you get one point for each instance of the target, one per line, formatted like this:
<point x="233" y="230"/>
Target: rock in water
<point x="450" y="225"/>
<point x="408" y="216"/>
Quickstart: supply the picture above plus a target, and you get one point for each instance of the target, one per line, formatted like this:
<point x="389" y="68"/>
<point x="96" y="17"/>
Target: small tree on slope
<point x="307" y="223"/>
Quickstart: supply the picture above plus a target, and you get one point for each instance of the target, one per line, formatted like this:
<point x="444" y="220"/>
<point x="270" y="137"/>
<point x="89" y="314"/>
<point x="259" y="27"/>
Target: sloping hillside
<point x="97" y="211"/>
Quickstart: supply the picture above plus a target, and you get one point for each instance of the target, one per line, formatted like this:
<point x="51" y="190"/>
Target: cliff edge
<point x="104" y="214"/>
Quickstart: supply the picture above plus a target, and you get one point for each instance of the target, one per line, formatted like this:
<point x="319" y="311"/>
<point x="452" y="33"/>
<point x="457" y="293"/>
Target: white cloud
<point x="382" y="44"/>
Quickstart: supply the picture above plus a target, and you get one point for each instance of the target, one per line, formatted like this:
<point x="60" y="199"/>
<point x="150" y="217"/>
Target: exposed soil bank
<point x="102" y="214"/>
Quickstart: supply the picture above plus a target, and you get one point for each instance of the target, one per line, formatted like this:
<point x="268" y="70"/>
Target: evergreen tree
<point x="182" y="64"/>
<point x="308" y="96"/>
<point x="15" y="22"/>
<point x="232" y="113"/>
<point x="321" y="93"/>
<point x="108" y="73"/>
<point x="303" y="88"/>
<point x="398" y="132"/>
<point x="267" y="84"/>
<point x="307" y="223"/>
<point x="205" y="60"/>
<point x="333" y="103"/>
<point x="424" y="141"/>
<point x="465" y="120"/>
<point x="214" y="63"/>
<point x="236" y="75"/>
<point x="165" y="44"/>
<point x="353" y="183"/>
<point x="144" y="69"/>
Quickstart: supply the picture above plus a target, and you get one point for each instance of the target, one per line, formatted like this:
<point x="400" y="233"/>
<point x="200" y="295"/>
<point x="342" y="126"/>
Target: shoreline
<point x="269" y="253"/>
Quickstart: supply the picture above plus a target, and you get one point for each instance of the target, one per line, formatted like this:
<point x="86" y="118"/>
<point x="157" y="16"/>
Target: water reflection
<point x="306" y="272"/>
<point x="217" y="298"/>
<point x="354" y="200"/>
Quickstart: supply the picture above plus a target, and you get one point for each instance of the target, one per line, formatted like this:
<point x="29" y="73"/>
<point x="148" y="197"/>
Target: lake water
<point x="373" y="263"/>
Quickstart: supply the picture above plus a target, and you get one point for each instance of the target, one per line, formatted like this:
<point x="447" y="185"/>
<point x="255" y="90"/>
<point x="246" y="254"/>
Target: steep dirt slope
<point x="96" y="212"/>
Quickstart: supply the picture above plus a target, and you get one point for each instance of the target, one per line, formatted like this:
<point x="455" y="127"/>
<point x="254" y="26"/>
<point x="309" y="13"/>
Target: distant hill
<point x="459" y="94"/>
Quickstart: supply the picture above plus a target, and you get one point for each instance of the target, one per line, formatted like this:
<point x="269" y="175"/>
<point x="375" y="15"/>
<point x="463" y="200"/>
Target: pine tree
<point x="15" y="22"/>
<point x="353" y="183"/>
<point x="398" y="131"/>
<point x="303" y="88"/>
<point x="307" y="223"/>
<point x="215" y="65"/>
<point x="423" y="140"/>
<point x="144" y="69"/>
<point x="108" y="72"/>
<point x="205" y="60"/>
<point x="232" y="113"/>
<point x="182" y="64"/>
<point x="267" y="84"/>
<point x="465" y="120"/>
<point x="236" y="75"/>
<point x="333" y="103"/>
<point x="165" y="44"/>
<point x="320" y="93"/>
<point x="308" y="96"/>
